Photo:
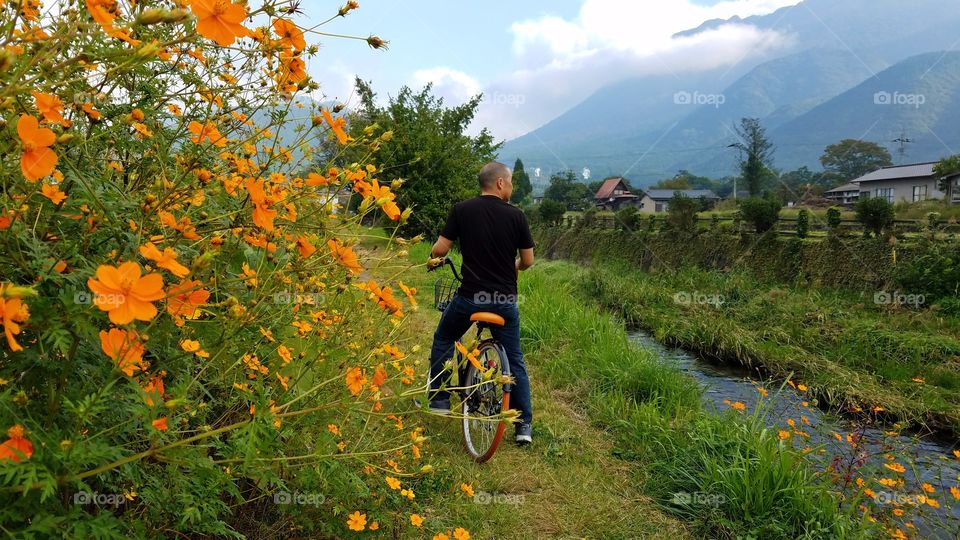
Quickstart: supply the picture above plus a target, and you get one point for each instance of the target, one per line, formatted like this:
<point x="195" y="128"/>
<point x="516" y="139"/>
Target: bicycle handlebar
<point x="447" y="261"/>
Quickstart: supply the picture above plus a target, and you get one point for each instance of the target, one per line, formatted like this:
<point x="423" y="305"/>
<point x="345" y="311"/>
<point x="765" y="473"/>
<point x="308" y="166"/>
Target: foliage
<point x="187" y="333"/>
<point x="803" y="223"/>
<point x="629" y="218"/>
<point x="762" y="213"/>
<point x="944" y="170"/>
<point x="834" y="218"/>
<point x="935" y="274"/>
<point x="564" y="189"/>
<point x="522" y="188"/>
<point x="876" y="214"/>
<point x="682" y="213"/>
<point x="428" y="148"/>
<point x="756" y="155"/>
<point x="551" y="212"/>
<point x="850" y="159"/>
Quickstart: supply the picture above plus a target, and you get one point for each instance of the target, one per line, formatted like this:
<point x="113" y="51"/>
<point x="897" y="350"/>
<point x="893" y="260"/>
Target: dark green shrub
<point x="876" y="215"/>
<point x="551" y="212"/>
<point x="682" y="213"/>
<point x="803" y="223"/>
<point x="762" y="213"/>
<point x="833" y="218"/>
<point x="935" y="273"/>
<point x="629" y="218"/>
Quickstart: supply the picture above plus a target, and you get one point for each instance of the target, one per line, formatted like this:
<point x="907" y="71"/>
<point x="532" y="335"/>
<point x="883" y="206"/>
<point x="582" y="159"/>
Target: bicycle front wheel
<point x="484" y="399"/>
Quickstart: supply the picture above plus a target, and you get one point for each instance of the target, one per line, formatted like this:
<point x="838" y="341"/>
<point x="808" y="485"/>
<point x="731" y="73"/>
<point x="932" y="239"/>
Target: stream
<point x="932" y="458"/>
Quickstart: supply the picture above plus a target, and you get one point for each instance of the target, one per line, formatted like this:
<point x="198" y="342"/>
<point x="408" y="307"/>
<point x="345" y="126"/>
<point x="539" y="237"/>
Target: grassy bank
<point x="854" y="353"/>
<point x="595" y="397"/>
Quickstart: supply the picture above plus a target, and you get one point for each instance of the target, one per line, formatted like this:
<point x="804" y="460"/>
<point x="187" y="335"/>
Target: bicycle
<point x="481" y="378"/>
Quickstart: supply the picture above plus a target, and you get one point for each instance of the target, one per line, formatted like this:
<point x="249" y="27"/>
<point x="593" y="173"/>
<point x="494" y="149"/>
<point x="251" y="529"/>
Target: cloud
<point x="450" y="84"/>
<point x="560" y="62"/>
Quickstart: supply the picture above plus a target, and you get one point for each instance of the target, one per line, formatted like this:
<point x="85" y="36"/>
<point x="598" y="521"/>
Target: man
<point x="491" y="233"/>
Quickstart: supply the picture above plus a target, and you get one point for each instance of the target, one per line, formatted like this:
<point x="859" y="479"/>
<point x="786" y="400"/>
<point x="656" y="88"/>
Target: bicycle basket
<point x="443" y="291"/>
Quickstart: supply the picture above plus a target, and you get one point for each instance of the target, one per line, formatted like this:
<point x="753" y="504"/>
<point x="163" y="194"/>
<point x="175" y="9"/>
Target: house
<point x="658" y="200"/>
<point x="614" y="195"/>
<point x="845" y="195"/>
<point x="905" y="183"/>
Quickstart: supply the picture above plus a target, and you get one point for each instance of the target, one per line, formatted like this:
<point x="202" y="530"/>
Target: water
<point x="932" y="458"/>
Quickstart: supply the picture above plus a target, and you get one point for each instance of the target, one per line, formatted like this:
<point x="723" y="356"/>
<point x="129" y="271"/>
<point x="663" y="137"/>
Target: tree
<point x="756" y="155"/>
<point x="943" y="170"/>
<point x="801" y="184"/>
<point x="429" y="149"/>
<point x="551" y="212"/>
<point x="850" y="159"/>
<point x="875" y="214"/>
<point x="565" y="189"/>
<point x="762" y="212"/>
<point x="682" y="213"/>
<point x="521" y="183"/>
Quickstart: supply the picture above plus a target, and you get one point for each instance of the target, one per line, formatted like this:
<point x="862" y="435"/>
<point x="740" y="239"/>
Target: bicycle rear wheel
<point x="483" y="400"/>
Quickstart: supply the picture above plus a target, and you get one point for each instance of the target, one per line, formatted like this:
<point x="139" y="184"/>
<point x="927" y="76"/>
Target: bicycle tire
<point x="483" y="401"/>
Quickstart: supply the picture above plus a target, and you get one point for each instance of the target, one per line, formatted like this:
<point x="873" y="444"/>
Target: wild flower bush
<point x="188" y="330"/>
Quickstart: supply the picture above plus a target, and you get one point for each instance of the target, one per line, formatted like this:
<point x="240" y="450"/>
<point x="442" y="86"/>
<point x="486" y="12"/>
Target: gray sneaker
<point x="524" y="434"/>
<point x="440" y="406"/>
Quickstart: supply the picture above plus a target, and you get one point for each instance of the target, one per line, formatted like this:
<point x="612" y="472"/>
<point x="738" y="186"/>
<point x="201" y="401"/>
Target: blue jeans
<point x="455" y="322"/>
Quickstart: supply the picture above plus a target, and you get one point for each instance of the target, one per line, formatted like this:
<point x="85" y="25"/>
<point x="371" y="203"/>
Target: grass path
<point x="567" y="484"/>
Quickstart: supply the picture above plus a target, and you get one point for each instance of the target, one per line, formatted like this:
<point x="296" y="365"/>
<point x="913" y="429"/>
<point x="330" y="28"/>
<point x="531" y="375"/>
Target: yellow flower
<point x="895" y="467"/>
<point x="461" y="534"/>
<point x="393" y="483"/>
<point x="357" y="521"/>
<point x="416" y="520"/>
<point x="332" y="428"/>
<point x="784" y="435"/>
<point x="467" y="489"/>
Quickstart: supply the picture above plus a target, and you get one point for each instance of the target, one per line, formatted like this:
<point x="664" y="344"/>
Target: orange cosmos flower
<point x="50" y="107"/>
<point x="344" y="255"/>
<point x="38" y="160"/>
<point x="125" y="294"/>
<point x="461" y="534"/>
<point x="416" y="520"/>
<point x="379" y="377"/>
<point x="305" y="247"/>
<point x="13" y="312"/>
<point x="263" y="215"/>
<point x="206" y="131"/>
<point x="153" y="389"/>
<point x="219" y="20"/>
<point x="357" y="521"/>
<point x="185" y="298"/>
<point x="166" y="259"/>
<point x="17" y="446"/>
<point x="411" y="294"/>
<point x="336" y="125"/>
<point x="53" y="193"/>
<point x="103" y="12"/>
<point x="124" y="348"/>
<point x="92" y="113"/>
<point x="160" y="424"/>
<point x="290" y="36"/>
<point x="356" y="379"/>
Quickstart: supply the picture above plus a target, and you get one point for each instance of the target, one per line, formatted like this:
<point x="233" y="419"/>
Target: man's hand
<point x="434" y="263"/>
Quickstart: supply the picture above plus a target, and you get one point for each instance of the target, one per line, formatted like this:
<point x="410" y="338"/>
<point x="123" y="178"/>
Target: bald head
<point x="492" y="172"/>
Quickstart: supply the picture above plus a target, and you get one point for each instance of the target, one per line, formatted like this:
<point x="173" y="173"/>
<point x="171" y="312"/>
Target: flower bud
<point x="151" y="16"/>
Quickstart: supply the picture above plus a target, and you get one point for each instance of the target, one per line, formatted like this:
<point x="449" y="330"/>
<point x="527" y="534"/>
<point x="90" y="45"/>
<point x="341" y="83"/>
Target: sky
<point x="532" y="60"/>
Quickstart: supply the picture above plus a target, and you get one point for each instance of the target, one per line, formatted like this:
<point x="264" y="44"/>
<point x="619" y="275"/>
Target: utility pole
<point x="903" y="141"/>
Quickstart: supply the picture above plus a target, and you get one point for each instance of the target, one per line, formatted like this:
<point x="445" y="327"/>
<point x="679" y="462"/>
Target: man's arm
<point x="441" y="248"/>
<point x="526" y="259"/>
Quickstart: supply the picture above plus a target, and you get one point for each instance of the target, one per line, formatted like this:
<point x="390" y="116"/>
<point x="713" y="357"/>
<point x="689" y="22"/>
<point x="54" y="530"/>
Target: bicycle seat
<point x="490" y="318"/>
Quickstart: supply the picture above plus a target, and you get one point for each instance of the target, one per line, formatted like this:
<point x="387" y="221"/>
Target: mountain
<point x="648" y="128"/>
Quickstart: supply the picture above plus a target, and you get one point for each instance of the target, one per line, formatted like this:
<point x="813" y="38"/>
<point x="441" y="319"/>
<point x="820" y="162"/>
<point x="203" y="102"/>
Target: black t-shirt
<point x="490" y="232"/>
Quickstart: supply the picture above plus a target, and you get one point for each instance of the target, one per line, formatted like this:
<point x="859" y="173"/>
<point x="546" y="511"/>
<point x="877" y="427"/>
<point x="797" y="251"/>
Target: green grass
<point x="850" y="351"/>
